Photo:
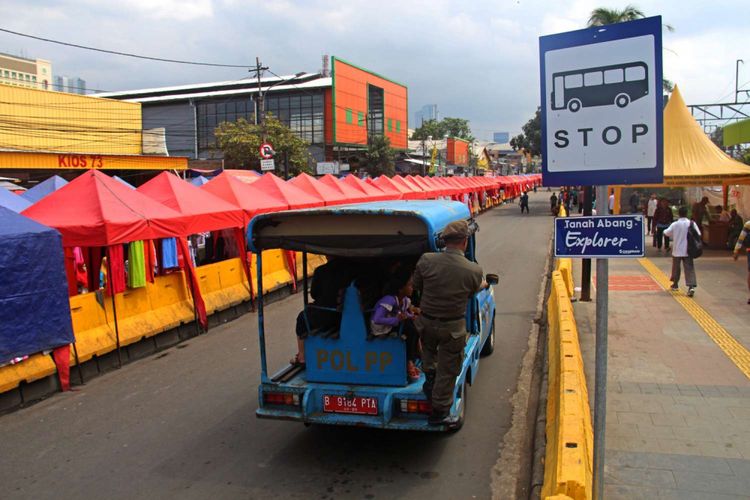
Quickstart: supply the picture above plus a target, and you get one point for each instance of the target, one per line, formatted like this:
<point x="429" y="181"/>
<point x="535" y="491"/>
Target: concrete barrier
<point x="569" y="453"/>
<point x="565" y="266"/>
<point x="156" y="308"/>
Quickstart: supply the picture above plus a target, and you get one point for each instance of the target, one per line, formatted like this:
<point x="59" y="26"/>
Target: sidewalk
<point x="678" y="402"/>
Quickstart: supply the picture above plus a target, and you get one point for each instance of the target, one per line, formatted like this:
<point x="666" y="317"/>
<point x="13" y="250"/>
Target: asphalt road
<point x="182" y="422"/>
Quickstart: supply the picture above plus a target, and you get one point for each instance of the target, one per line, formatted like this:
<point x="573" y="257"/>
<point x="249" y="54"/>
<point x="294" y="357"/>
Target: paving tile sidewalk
<point x="678" y="408"/>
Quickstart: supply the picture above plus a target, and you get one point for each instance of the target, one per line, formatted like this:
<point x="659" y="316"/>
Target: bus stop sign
<point x="602" y="120"/>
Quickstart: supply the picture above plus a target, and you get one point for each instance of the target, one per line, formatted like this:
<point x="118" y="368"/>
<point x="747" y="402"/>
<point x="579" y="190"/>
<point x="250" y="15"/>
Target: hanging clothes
<point x="136" y="265"/>
<point x="117" y="266"/>
<point x="70" y="271"/>
<point x="82" y="278"/>
<point x="192" y="279"/>
<point x="169" y="253"/>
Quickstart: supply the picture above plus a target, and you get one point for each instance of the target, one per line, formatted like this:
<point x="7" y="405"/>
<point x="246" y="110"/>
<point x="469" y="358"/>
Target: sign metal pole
<point x="600" y="382"/>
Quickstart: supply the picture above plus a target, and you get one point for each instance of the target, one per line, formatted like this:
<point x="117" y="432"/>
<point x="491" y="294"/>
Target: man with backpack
<point x="686" y="237"/>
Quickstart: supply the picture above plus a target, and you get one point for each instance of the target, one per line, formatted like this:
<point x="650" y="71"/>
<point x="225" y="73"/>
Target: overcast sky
<point x="475" y="59"/>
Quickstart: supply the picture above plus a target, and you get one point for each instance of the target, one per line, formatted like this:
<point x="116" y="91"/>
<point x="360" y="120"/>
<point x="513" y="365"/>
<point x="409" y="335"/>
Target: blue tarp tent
<point x="198" y="181"/>
<point x="34" y="305"/>
<point x="123" y="181"/>
<point x="44" y="188"/>
<point x="13" y="201"/>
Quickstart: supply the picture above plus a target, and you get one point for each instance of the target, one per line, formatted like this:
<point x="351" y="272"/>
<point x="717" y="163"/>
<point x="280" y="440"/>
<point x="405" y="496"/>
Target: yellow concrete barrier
<point x="155" y="308"/>
<point x="565" y="266"/>
<point x="569" y="454"/>
<point x="223" y="284"/>
<point x="36" y="367"/>
<point x="94" y="335"/>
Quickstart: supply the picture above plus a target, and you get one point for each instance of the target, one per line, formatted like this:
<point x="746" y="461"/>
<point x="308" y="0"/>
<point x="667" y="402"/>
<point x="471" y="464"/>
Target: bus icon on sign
<point x="617" y="84"/>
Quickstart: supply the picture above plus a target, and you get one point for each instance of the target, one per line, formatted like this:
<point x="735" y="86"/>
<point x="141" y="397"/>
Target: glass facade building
<point x="300" y="111"/>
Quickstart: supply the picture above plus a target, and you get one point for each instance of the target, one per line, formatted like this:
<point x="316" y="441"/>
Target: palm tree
<point x="601" y="16"/>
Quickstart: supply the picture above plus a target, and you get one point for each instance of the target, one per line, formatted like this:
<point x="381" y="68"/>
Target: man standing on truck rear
<point x="446" y="280"/>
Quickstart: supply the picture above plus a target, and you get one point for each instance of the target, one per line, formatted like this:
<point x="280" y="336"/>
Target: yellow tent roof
<point x="690" y="158"/>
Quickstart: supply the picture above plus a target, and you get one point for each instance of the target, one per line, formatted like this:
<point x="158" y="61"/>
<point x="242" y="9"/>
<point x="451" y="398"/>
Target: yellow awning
<point x="690" y="158"/>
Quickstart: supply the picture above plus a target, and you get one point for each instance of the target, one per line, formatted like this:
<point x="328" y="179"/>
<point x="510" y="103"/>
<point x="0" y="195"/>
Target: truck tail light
<point x="415" y="406"/>
<point x="281" y="398"/>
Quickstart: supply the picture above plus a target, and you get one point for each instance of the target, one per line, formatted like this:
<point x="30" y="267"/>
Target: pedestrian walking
<point x="525" y="202"/>
<point x="446" y="281"/>
<point x="611" y="204"/>
<point x="650" y="211"/>
<point x="736" y="225"/>
<point x="699" y="212"/>
<point x="680" y="231"/>
<point x="634" y="198"/>
<point x="553" y="204"/>
<point x="663" y="218"/>
<point x="742" y="244"/>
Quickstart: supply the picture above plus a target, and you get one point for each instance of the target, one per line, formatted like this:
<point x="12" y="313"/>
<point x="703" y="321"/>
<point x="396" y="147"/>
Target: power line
<point x="125" y="54"/>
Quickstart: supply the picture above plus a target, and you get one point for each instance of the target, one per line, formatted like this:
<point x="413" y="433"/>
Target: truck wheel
<point x="489" y="344"/>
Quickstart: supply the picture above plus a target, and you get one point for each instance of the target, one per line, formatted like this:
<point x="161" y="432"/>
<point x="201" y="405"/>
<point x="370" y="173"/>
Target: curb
<point x="510" y="478"/>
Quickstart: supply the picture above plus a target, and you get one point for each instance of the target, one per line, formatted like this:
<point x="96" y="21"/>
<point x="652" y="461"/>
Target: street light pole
<point x="737" y="80"/>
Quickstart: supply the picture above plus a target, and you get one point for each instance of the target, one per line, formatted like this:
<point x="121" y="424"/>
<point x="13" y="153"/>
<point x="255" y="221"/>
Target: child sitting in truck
<point x="393" y="310"/>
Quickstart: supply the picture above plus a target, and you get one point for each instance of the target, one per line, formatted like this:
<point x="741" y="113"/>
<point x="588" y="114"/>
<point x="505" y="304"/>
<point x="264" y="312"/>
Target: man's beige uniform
<point x="447" y="280"/>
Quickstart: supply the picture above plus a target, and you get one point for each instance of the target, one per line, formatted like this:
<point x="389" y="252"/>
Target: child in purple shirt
<point x="390" y="312"/>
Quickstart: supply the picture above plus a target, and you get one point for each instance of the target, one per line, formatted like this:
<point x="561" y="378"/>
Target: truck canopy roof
<point x="388" y="228"/>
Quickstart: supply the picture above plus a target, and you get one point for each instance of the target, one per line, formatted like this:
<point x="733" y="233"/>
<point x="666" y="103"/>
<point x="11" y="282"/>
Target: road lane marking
<point x="734" y="350"/>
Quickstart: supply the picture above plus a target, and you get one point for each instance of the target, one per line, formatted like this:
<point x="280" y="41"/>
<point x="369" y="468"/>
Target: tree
<point x="451" y="127"/>
<point x="458" y="127"/>
<point x="531" y="138"/>
<point x="379" y="156"/>
<point x="240" y="142"/>
<point x="602" y="16"/>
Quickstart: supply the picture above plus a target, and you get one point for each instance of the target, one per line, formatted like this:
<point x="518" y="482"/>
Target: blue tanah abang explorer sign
<point x="599" y="237"/>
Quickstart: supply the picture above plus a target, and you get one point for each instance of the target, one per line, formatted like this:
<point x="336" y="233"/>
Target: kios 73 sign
<point x="602" y="105"/>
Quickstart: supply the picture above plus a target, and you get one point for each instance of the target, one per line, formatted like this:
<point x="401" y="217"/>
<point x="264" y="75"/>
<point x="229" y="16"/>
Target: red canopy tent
<point x="205" y="211"/>
<point x="246" y="176"/>
<point x="95" y="210"/>
<point x="451" y="189"/>
<point x="250" y="199"/>
<point x="373" y="193"/>
<point x="406" y="192"/>
<point x="312" y="186"/>
<point x="289" y="193"/>
<point x="431" y="191"/>
<point x="353" y="194"/>
<point x="435" y="187"/>
<point x="389" y="189"/>
<point x="420" y="193"/>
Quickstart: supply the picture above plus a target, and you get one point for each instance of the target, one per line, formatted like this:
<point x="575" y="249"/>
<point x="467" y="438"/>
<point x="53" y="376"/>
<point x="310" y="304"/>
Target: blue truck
<point x="351" y="377"/>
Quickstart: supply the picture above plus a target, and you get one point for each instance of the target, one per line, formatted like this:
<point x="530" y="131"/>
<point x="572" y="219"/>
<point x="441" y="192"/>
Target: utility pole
<point x="260" y="102"/>
<point x="423" y="152"/>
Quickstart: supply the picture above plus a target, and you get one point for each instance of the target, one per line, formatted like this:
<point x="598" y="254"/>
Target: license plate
<point x="357" y="404"/>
